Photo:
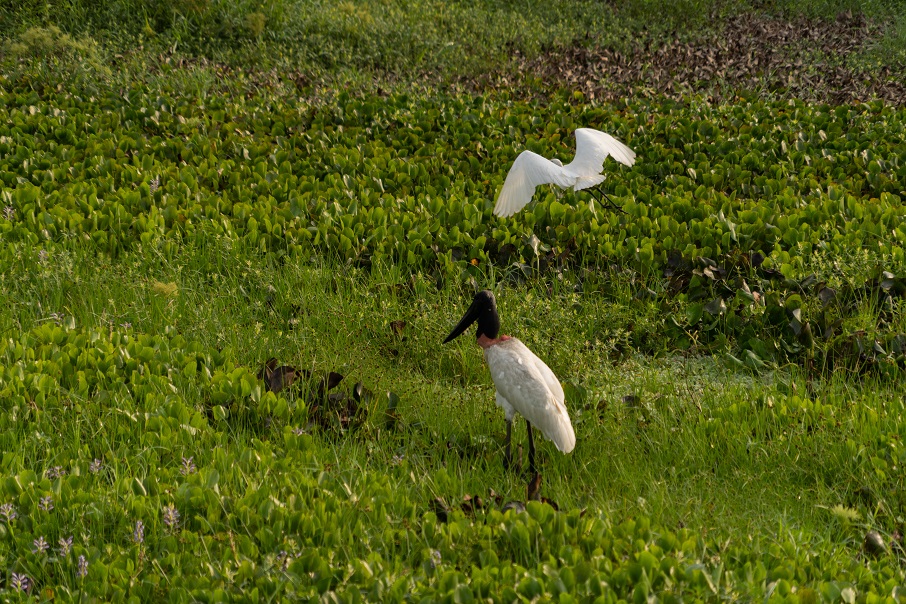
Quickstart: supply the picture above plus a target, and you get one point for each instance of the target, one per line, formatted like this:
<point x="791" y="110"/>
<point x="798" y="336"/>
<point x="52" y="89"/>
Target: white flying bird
<point x="530" y="170"/>
<point x="524" y="383"/>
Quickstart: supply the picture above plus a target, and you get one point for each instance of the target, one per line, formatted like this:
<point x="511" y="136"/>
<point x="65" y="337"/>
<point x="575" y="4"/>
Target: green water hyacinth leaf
<point x="694" y="313"/>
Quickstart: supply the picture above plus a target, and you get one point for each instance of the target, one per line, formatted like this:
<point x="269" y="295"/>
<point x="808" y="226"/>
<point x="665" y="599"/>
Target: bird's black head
<point x="484" y="312"/>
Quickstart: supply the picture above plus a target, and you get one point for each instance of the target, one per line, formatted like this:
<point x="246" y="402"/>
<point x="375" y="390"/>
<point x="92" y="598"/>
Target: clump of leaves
<point x="254" y="24"/>
<point x="44" y="42"/>
<point x="166" y="290"/>
<point x="276" y="378"/>
<point x="46" y="54"/>
<point x="333" y="411"/>
<point x="845" y="515"/>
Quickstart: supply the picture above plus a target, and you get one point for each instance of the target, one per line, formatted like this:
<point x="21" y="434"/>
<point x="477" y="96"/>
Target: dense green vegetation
<point x="814" y="191"/>
<point x="131" y="391"/>
<point x="179" y="209"/>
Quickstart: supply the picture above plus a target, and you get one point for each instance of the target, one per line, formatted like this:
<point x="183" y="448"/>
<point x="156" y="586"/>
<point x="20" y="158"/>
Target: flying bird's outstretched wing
<point x="528" y="171"/>
<point x="592" y="148"/>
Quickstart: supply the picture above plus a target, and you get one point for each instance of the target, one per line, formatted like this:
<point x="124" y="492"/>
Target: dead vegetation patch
<point x="809" y="59"/>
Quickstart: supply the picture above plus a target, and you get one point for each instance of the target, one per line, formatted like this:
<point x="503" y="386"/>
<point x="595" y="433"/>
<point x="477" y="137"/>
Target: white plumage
<point x="525" y="384"/>
<point x="530" y="170"/>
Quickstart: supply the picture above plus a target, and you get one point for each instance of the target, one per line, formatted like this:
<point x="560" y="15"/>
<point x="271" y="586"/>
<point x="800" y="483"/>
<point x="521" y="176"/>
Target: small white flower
<point x="83" y="567"/>
<point x="188" y="466"/>
<point x="40" y="545"/>
<point x="138" y="535"/>
<point x="19" y="582"/>
<point x="8" y="512"/>
<point x="65" y="545"/>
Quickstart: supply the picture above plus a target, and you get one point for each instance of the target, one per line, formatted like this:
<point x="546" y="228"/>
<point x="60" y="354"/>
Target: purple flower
<point x="56" y="471"/>
<point x="65" y="545"/>
<point x="171" y="516"/>
<point x="19" y="582"/>
<point x="9" y="212"/>
<point x="46" y="504"/>
<point x="83" y="567"/>
<point x="138" y="535"/>
<point x="188" y="466"/>
<point x="8" y="512"/>
<point x="40" y="545"/>
<point x="96" y="466"/>
<point x="43" y="255"/>
<point x="154" y="184"/>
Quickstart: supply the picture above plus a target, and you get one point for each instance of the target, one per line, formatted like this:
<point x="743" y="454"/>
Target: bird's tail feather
<point x="556" y="427"/>
<point x="565" y="438"/>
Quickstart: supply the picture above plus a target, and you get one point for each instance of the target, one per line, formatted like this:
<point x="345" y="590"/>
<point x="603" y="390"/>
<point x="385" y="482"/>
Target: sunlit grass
<point x="684" y="440"/>
<point x="742" y="461"/>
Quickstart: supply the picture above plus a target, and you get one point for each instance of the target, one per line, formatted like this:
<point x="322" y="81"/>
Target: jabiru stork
<point x="524" y="383"/>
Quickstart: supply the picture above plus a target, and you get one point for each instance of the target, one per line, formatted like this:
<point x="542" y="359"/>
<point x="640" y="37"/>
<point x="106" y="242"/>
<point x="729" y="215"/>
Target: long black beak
<point x="484" y="311"/>
<point x="470" y="317"/>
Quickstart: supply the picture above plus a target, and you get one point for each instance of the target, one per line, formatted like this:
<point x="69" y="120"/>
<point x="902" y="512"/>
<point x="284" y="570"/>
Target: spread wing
<point x="528" y="171"/>
<point x="592" y="148"/>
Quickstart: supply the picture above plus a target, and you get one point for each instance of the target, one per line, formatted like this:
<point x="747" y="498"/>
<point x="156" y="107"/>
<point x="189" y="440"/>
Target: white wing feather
<point x="529" y="386"/>
<point x="592" y="148"/>
<point x="528" y="171"/>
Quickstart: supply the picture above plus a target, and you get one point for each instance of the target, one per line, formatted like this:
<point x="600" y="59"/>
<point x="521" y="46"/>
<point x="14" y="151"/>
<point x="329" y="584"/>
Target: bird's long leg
<point x="507" y="457"/>
<point x="531" y="450"/>
<point x="610" y="203"/>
